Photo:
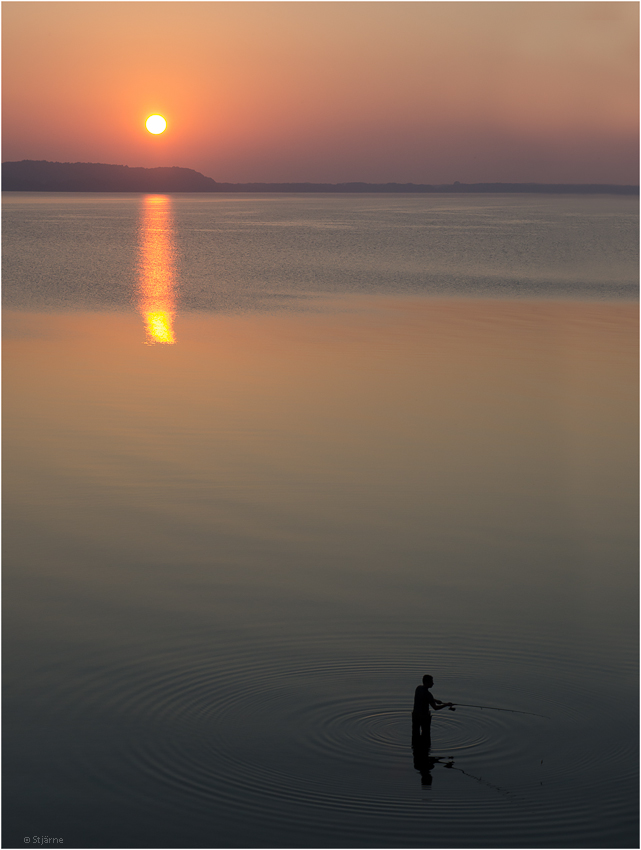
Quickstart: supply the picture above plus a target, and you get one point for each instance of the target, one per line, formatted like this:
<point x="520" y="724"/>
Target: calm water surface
<point x="267" y="460"/>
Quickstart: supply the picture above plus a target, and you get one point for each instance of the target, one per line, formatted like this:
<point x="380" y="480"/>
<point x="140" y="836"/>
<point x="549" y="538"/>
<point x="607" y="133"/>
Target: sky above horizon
<point x="422" y="92"/>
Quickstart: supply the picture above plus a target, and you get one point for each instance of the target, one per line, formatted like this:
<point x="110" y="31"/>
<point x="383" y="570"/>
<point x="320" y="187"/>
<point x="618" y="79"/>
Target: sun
<point x="156" y="124"/>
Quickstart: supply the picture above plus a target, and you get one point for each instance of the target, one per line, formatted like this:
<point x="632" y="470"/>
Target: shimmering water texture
<point x="266" y="463"/>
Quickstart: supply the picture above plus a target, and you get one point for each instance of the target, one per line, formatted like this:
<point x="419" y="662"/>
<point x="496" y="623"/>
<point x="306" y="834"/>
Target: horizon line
<point x="33" y="175"/>
<point x="319" y="183"/>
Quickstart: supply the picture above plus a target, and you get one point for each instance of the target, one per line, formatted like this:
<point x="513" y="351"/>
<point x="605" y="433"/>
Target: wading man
<point x="421" y="717"/>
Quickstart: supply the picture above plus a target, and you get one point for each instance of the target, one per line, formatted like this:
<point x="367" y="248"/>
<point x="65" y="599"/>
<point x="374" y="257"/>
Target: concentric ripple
<point x="304" y="730"/>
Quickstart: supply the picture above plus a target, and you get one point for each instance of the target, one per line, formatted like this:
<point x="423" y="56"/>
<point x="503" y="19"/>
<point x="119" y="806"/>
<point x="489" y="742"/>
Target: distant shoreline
<point x="43" y="176"/>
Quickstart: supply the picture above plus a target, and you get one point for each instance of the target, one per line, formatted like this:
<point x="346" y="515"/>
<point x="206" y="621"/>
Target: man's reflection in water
<point x="423" y="761"/>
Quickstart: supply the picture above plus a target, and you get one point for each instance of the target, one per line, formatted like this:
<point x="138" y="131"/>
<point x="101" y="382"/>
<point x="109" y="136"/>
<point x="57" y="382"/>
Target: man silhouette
<point x="421" y="717"/>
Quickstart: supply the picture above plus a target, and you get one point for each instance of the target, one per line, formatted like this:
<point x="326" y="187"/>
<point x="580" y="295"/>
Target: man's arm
<point x="437" y="705"/>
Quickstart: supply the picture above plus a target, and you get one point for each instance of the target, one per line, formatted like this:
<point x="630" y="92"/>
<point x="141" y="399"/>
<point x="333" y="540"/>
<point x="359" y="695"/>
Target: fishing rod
<point x="494" y="708"/>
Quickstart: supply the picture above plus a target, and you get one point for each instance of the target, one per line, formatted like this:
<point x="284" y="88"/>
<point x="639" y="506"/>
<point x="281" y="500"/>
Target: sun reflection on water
<point x="157" y="299"/>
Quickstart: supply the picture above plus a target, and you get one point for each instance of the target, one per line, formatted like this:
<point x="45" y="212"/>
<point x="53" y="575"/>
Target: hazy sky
<point x="420" y="92"/>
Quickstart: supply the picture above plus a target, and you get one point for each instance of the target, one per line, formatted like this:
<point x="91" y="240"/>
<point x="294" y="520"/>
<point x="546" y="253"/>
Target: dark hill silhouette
<point x="42" y="176"/>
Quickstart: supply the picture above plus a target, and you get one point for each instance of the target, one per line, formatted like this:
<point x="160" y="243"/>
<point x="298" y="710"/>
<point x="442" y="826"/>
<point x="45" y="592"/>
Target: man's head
<point x="428" y="681"/>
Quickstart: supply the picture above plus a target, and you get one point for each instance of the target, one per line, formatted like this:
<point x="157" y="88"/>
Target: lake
<point x="270" y="459"/>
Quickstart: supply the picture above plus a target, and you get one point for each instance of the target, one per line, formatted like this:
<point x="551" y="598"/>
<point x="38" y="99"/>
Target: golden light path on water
<point x="157" y="299"/>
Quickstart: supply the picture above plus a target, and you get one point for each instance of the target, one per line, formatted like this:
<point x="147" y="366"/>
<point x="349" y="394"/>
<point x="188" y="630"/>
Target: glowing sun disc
<point x="156" y="124"/>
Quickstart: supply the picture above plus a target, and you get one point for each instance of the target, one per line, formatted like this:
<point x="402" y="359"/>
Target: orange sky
<point x="411" y="92"/>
